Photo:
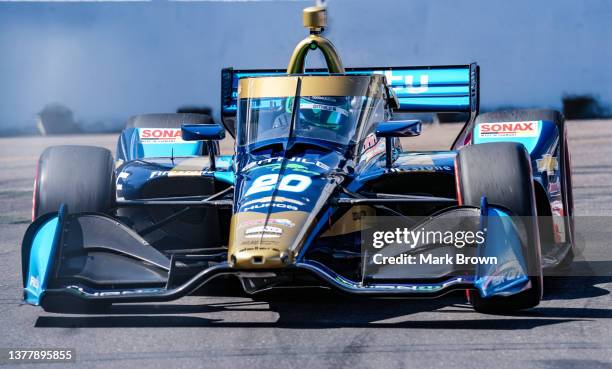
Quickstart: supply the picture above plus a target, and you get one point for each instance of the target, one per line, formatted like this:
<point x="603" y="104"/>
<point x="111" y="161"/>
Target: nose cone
<point x="275" y="210"/>
<point x="259" y="240"/>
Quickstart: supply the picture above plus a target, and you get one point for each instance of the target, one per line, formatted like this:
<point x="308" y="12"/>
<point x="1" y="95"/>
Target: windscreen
<point x="337" y="115"/>
<point x="330" y="118"/>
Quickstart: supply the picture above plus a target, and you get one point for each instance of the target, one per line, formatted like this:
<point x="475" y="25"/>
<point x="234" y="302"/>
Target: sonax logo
<point x="160" y="135"/>
<point x="508" y="129"/>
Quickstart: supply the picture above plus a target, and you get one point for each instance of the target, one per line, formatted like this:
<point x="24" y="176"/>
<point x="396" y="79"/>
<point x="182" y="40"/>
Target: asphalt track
<point x="572" y="327"/>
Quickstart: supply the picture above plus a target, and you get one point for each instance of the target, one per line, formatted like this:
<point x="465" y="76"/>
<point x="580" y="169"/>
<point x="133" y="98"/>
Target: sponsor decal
<point x="508" y="129"/>
<point x="557" y="208"/>
<point x="258" y="245"/>
<point x="276" y="199"/>
<point x="272" y="221"/>
<point x="424" y="168"/>
<point x="263" y="229"/>
<point x="558" y="220"/>
<point x="554" y="187"/>
<point x="160" y="135"/>
<point x="547" y="164"/>
<point x="270" y="204"/>
<point x="279" y="159"/>
<point x="398" y="79"/>
<point x="262" y="235"/>
<point x="295" y="167"/>
<point x="178" y="173"/>
<point x="263" y="232"/>
<point x="335" y="109"/>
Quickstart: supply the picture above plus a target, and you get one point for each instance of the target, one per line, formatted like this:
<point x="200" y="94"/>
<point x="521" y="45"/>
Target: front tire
<point x="82" y="177"/>
<point x="502" y="173"/>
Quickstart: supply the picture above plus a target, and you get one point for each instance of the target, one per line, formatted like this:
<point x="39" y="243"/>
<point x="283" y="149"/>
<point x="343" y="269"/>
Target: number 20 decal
<point x="289" y="183"/>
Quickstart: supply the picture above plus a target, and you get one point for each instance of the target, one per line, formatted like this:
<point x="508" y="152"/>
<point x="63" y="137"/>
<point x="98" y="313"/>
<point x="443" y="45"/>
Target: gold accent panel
<point x="257" y="244"/>
<point x="350" y="222"/>
<point x="285" y="86"/>
<point x="282" y="86"/>
<point x="315" y="18"/>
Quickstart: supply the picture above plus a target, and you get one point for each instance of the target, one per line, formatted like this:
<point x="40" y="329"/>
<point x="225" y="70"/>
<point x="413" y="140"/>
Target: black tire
<point x="82" y="177"/>
<point x="171" y="120"/>
<point x="502" y="173"/>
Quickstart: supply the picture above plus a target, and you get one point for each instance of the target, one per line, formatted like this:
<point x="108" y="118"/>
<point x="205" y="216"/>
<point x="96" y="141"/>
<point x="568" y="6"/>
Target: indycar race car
<point x="317" y="153"/>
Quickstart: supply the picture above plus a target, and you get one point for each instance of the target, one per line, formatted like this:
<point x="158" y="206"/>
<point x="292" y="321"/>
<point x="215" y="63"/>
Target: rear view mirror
<point x="399" y="128"/>
<point x="202" y="132"/>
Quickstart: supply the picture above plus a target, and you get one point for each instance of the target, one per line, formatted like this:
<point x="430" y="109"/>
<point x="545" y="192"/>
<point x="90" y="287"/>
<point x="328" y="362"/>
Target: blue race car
<point x="317" y="156"/>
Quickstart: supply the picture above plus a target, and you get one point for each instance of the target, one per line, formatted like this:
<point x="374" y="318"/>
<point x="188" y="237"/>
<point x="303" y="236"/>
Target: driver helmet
<point x="329" y="112"/>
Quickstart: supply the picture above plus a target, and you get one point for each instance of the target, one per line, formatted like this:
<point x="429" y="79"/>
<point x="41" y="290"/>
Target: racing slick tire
<point x="502" y="173"/>
<point x="82" y="177"/>
<point x="557" y="118"/>
<point x="171" y="120"/>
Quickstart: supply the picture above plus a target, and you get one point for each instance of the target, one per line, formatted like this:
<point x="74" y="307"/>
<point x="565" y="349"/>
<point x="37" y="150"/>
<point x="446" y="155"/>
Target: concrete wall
<point x="111" y="60"/>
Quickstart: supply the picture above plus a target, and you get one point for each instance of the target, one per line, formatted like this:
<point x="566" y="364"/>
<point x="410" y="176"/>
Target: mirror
<point x="399" y="128"/>
<point x="396" y="128"/>
<point x="202" y="132"/>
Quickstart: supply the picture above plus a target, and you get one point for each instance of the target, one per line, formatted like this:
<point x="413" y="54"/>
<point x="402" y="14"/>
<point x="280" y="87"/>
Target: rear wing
<point x="419" y="89"/>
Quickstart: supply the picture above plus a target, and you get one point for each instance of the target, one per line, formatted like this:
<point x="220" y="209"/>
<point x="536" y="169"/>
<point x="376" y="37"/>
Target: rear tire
<point x="502" y="173"/>
<point x="82" y="177"/>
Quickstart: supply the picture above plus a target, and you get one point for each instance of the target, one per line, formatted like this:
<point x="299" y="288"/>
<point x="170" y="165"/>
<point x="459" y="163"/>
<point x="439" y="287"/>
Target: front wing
<point x="63" y="254"/>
